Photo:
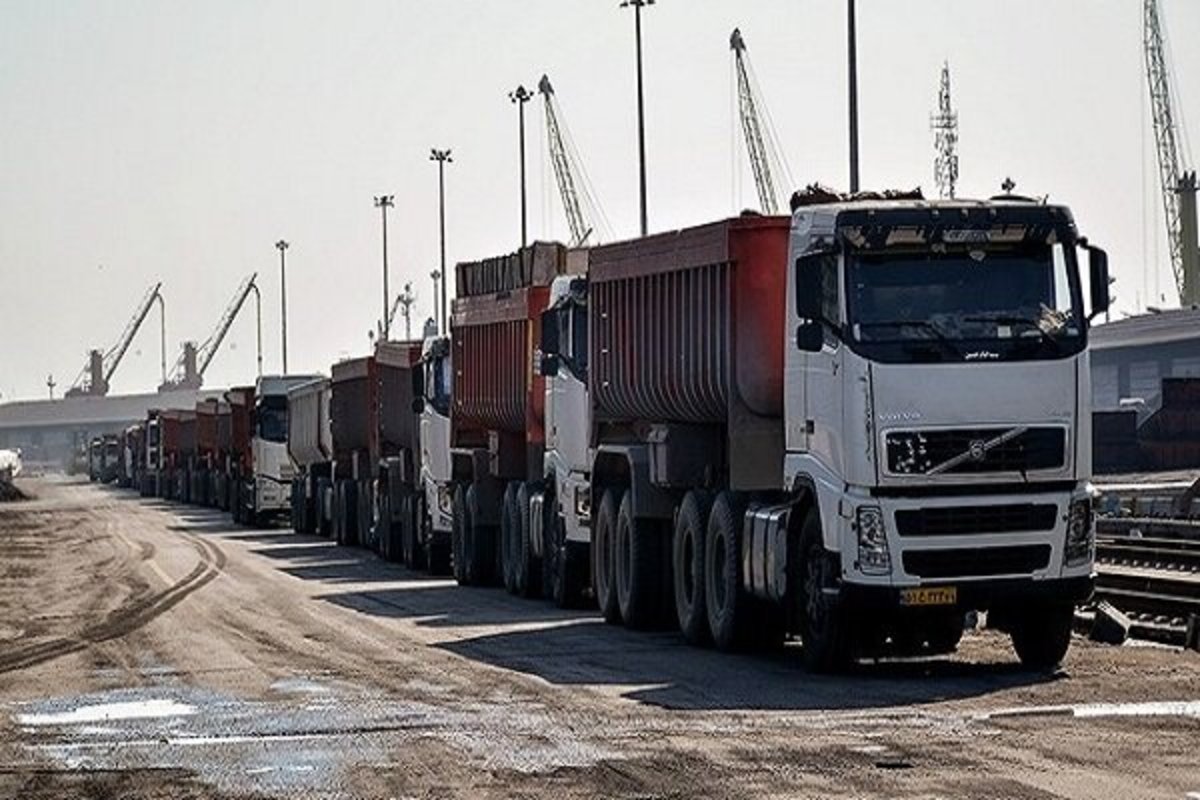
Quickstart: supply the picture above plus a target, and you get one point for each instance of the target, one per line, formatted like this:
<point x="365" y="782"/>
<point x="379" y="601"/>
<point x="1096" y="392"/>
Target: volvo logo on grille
<point x="977" y="450"/>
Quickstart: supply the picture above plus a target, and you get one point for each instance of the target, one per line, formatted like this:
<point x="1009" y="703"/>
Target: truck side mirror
<point x="548" y="364"/>
<point x="809" y="286"/>
<point x="549" y="341"/>
<point x="1098" y="269"/>
<point x="418" y="404"/>
<point x="810" y="336"/>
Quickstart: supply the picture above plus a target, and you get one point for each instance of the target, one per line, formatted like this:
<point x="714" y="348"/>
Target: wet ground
<point x="154" y="651"/>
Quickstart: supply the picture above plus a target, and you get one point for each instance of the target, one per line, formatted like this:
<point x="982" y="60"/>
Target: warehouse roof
<point x="1175" y="325"/>
<point x="94" y="410"/>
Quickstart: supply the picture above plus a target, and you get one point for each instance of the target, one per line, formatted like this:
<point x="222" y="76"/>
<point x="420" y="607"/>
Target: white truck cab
<point x="270" y="485"/>
<point x="937" y="407"/>
<point x="436" y="379"/>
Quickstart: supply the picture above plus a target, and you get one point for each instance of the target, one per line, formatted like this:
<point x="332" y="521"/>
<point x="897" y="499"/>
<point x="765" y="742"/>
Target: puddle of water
<point x="109" y="712"/>
<point x="1168" y="708"/>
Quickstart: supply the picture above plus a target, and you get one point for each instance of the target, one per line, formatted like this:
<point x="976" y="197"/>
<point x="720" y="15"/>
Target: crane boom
<point x="766" y="157"/>
<point x="585" y="218"/>
<point x="213" y="343"/>
<point x="113" y="358"/>
<point x="1167" y="146"/>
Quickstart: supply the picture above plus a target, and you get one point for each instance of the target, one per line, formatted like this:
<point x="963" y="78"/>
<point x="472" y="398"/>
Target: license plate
<point x="929" y="596"/>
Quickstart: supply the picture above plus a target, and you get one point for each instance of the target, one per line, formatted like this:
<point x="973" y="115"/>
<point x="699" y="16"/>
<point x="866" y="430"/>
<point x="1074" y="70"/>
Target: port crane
<point x="583" y="211"/>
<point x="762" y="145"/>
<point x="1178" y="185"/>
<point x="95" y="377"/>
<point x="193" y="362"/>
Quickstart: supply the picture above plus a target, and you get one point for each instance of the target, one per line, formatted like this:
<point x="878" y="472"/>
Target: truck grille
<point x="976" y="562"/>
<point x="962" y="520"/>
<point x="975" y="450"/>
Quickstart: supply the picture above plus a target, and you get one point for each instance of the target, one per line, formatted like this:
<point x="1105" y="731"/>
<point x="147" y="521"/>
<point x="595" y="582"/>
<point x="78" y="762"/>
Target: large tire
<point x="411" y="521"/>
<point x="389" y="549"/>
<point x="346" y="507"/>
<point x="564" y="573"/>
<point x="1042" y="637"/>
<point x="367" y="534"/>
<point x="324" y="523"/>
<point x="824" y="624"/>
<point x="640" y="550"/>
<point x="604" y="583"/>
<point x="526" y="570"/>
<point x="687" y="563"/>
<point x="510" y="532"/>
<point x="458" y="535"/>
<point x="727" y="607"/>
<point x="479" y="546"/>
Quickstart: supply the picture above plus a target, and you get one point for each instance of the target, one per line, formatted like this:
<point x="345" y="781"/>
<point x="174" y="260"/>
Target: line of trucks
<point x="850" y="426"/>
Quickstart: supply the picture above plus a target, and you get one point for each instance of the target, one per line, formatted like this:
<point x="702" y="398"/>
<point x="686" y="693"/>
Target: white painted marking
<point x="107" y="712"/>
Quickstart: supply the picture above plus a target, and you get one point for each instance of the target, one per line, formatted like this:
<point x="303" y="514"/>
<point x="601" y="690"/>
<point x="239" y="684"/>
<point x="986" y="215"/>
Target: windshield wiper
<point x="924" y="325"/>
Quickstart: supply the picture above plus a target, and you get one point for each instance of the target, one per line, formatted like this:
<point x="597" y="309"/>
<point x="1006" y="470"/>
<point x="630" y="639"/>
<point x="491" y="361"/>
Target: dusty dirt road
<point x="154" y="651"/>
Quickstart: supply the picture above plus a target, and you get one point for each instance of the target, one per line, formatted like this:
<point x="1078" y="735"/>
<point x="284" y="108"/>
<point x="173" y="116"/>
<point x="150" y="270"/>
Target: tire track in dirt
<point x="129" y="616"/>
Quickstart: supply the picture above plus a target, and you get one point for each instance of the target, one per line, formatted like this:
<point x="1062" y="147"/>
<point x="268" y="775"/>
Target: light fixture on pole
<point x="383" y="203"/>
<point x="521" y="96"/>
<point x="282" y="247"/>
<point x="641" y="105"/>
<point x="442" y="157"/>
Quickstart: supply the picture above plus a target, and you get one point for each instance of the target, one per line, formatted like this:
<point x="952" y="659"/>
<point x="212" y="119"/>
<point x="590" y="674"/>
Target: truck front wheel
<point x="687" y="561"/>
<point x="479" y="542"/>
<point x="604" y="556"/>
<point x="510" y="534"/>
<point x="1042" y="636"/>
<point x="826" y="644"/>
<point x="458" y="536"/>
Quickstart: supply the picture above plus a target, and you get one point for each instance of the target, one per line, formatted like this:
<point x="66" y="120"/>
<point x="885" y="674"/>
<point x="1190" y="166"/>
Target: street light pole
<point x="439" y="322"/>
<point x="383" y="203"/>
<point x="521" y="96"/>
<point x="641" y="105"/>
<point x="852" y="48"/>
<point x="442" y="157"/>
<point x="282" y="246"/>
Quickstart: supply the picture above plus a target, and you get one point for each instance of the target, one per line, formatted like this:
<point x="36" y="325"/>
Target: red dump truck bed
<point x="354" y="412"/>
<point x="206" y="427"/>
<point x="241" y="423"/>
<point x="178" y="431"/>
<point x="496" y="324"/>
<point x="399" y="425"/>
<point x="687" y="328"/>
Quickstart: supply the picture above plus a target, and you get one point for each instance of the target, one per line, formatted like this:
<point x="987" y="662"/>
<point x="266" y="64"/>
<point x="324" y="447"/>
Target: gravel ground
<point x="152" y="651"/>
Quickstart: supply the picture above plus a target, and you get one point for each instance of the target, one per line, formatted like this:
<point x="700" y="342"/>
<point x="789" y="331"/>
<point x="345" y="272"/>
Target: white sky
<point x="157" y="140"/>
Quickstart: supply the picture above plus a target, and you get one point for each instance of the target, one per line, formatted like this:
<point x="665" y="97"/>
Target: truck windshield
<point x="963" y="305"/>
<point x="437" y="384"/>
<point x="271" y="419"/>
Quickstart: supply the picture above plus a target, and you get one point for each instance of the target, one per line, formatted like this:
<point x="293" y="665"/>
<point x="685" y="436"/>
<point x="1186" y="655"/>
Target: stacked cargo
<point x="1170" y="438"/>
<point x="1115" y="442"/>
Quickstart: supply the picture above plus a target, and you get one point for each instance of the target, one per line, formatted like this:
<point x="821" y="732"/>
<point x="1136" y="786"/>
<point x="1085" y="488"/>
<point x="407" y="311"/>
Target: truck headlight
<point x="873" y="556"/>
<point x="1081" y="534"/>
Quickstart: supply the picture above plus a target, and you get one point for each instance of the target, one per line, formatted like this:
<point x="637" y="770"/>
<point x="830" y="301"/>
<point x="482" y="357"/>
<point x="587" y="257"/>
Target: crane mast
<point x="582" y="210"/>
<point x="945" y="130"/>
<point x="97" y="374"/>
<point x="1175" y="183"/>
<point x="766" y="159"/>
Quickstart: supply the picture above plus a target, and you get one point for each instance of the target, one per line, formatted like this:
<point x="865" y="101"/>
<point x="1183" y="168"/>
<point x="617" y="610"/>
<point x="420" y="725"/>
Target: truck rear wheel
<point x="527" y="572"/>
<point x="564" y="564"/>
<point x="639" y="567"/>
<point x="826" y="641"/>
<point x="728" y="609"/>
<point x="604" y="558"/>
<point x="479" y="543"/>
<point x="458" y="536"/>
<point x="510" y="533"/>
<point x="687" y="561"/>
<point x="1042" y="636"/>
<point x="389" y="547"/>
<point x="412" y="515"/>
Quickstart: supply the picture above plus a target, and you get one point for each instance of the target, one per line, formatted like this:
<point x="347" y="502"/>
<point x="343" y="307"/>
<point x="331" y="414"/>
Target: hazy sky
<point x="144" y="141"/>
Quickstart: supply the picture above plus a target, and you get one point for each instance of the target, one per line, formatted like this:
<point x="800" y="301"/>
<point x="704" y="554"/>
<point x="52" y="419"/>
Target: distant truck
<point x="310" y="446"/>
<point x="497" y="435"/>
<point x="428" y="541"/>
<point x="264" y="470"/>
<point x="853" y="426"/>
<point x="132" y="450"/>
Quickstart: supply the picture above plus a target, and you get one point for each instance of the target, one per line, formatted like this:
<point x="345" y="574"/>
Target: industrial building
<point x="1130" y="357"/>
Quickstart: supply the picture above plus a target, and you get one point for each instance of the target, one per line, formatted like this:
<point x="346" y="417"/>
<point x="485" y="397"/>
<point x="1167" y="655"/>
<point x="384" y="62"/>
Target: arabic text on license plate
<point x="930" y="596"/>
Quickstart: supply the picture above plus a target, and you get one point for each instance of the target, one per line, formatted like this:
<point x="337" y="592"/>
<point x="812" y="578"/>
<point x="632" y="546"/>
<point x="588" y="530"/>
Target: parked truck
<point x="152" y="460"/>
<point x="264" y="468"/>
<point x="497" y="436"/>
<point x="853" y="426"/>
<point x="433" y="520"/>
<point x="207" y="463"/>
<point x="310" y="447"/>
<point x="395" y="458"/>
<point x="132" y="451"/>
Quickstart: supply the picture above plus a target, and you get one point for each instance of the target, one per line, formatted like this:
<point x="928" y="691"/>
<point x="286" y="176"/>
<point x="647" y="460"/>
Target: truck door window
<point x="271" y="419"/>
